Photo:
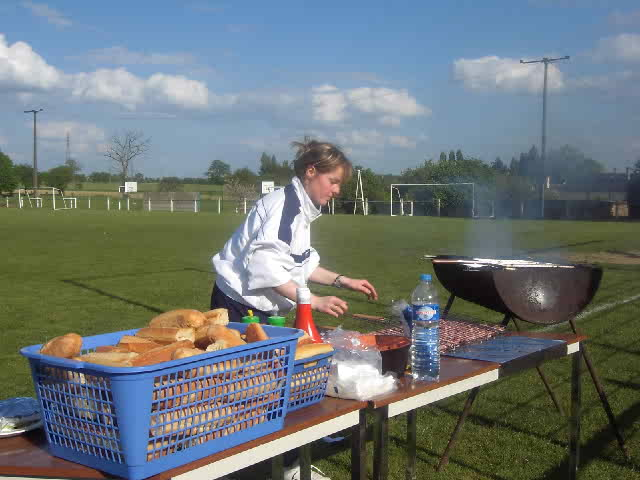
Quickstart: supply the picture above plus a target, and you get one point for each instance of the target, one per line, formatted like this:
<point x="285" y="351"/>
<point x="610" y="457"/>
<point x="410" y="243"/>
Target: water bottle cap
<point x="425" y="277"/>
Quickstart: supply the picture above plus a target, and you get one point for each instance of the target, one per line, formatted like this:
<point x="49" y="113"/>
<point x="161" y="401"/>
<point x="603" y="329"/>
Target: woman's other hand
<point x="359" y="285"/>
<point x="333" y="306"/>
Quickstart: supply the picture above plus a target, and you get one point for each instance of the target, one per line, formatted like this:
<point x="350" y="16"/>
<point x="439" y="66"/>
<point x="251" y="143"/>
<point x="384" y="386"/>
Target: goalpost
<point x="396" y="185"/>
<point x="67" y="202"/>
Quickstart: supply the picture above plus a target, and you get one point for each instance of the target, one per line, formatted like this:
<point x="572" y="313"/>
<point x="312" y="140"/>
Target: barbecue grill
<point x="536" y="292"/>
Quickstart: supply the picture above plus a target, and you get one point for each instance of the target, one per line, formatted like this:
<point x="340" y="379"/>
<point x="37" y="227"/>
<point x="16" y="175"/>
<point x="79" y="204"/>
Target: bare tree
<point x="124" y="147"/>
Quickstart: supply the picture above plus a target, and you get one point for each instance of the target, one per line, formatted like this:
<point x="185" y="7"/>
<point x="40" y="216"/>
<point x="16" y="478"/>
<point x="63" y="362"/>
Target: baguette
<point x="166" y="335"/>
<point x="216" y="333"/>
<point x="217" y="316"/>
<point x="181" y="318"/>
<point x="65" y="346"/>
<point x="255" y="333"/>
<point x="139" y="347"/>
<point x="109" y="359"/>
<point x="112" y="348"/>
<point x="185" y="352"/>
<point x="160" y="354"/>
<point x="312" y="349"/>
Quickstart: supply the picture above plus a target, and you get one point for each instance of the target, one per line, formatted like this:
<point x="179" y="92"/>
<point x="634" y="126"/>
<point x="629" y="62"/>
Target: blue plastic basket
<point x="135" y="422"/>
<point x="309" y="380"/>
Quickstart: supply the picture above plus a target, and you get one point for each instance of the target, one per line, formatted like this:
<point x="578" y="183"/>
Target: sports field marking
<point x="599" y="308"/>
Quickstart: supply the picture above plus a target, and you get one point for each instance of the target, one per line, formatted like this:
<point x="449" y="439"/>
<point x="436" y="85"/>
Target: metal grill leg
<point x="574" y="424"/>
<point x="445" y="312"/>
<point x="412" y="421"/>
<point x="305" y="462"/>
<point x="277" y="467"/>
<point x="546" y="383"/>
<point x="454" y="436"/>
<point x="603" y="395"/>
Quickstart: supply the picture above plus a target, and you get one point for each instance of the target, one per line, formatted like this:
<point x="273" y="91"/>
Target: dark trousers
<point x="236" y="310"/>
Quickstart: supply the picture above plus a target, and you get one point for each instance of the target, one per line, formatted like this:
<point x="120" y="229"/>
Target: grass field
<point x="91" y="272"/>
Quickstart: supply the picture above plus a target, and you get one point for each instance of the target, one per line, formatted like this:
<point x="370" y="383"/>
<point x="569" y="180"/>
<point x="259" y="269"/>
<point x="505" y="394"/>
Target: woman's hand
<point x="333" y="306"/>
<point x="359" y="285"/>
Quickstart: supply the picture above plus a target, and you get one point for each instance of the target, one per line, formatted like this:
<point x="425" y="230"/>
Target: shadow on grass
<point x="136" y="274"/>
<point x="558" y="247"/>
<point x="99" y="291"/>
<point x="592" y="449"/>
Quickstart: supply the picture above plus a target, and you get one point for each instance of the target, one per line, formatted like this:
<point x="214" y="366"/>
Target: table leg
<point x="454" y="436"/>
<point x="574" y="424"/>
<point x="305" y="462"/>
<point x="412" y="421"/>
<point x="277" y="467"/>
<point x="380" y="460"/>
<point x="359" y="448"/>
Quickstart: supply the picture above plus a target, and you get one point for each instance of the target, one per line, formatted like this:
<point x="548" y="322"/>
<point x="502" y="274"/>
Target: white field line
<point x="595" y="310"/>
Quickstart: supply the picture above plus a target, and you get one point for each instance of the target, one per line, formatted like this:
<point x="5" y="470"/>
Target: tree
<point x="170" y="184"/>
<point x="100" y="177"/>
<point x="636" y="166"/>
<point x="499" y="165"/>
<point x="245" y="176"/>
<point x="374" y="186"/>
<point x="24" y="174"/>
<point x="123" y="148"/>
<point x="633" y="196"/>
<point x="443" y="157"/>
<point x="459" y="156"/>
<point x="218" y="172"/>
<point x="8" y="178"/>
<point x="514" y="167"/>
<point x="270" y="169"/>
<point x="60" y="177"/>
<point x="452" y="156"/>
<point x="572" y="165"/>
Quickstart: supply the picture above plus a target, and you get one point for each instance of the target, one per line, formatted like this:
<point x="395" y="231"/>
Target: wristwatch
<point x="337" y="283"/>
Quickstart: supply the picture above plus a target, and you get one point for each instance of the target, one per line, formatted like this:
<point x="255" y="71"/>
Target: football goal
<point x="401" y="203"/>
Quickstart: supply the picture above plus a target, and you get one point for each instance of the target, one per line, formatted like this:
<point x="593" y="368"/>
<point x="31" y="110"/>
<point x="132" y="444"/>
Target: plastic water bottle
<point x="425" y="333"/>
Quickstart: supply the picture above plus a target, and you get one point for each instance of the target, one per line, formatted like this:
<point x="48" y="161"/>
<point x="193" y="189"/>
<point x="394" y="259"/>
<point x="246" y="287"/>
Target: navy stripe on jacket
<point x="290" y="209"/>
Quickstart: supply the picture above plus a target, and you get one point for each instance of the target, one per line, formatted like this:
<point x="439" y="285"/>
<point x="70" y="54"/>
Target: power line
<point x="543" y="149"/>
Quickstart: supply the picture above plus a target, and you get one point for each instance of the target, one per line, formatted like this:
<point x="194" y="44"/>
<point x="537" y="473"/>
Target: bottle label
<point x="426" y="313"/>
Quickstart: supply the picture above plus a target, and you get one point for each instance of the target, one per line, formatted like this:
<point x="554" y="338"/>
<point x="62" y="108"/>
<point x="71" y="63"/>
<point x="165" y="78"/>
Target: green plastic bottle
<point x="277" y="321"/>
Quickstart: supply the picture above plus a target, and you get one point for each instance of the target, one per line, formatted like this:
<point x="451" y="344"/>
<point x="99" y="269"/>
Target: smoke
<point x="487" y="238"/>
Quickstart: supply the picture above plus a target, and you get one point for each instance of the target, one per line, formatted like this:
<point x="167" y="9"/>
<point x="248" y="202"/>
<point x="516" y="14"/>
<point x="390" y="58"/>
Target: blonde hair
<point x="323" y="156"/>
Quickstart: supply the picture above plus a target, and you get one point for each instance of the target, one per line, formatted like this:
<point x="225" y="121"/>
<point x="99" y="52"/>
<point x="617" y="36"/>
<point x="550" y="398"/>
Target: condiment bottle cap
<point x="277" y="321"/>
<point x="251" y="318"/>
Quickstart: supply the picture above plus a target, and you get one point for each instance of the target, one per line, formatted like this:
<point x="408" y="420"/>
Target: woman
<point x="270" y="254"/>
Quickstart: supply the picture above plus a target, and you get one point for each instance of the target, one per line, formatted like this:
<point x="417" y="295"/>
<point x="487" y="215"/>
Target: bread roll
<point x="217" y="316"/>
<point x="109" y="359"/>
<point x="167" y="334"/>
<point x="312" y="349"/>
<point x="65" y="346"/>
<point x="181" y="318"/>
<point x="305" y="339"/>
<point x="255" y="333"/>
<point x="216" y="333"/>
<point x="160" y="354"/>
<point x="185" y="352"/>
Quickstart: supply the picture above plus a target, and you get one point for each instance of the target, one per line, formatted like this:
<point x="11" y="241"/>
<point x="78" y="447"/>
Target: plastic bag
<point x="18" y="413"/>
<point x="402" y="312"/>
<point x="356" y="368"/>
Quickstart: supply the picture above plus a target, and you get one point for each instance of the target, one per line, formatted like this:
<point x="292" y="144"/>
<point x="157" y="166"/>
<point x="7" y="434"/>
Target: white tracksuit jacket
<point x="271" y="247"/>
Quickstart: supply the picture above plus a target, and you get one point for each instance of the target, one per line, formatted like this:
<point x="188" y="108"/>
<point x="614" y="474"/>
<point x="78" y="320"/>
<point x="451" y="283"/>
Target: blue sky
<point x="393" y="83"/>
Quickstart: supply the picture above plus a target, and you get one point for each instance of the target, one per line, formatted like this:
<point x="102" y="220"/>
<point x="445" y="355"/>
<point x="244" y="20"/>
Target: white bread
<point x="217" y="316"/>
<point x="312" y="349"/>
<point x="255" y="333"/>
<point x="219" y="332"/>
<point x="64" y="346"/>
<point x="109" y="359"/>
<point x="180" y="318"/>
<point x="167" y="334"/>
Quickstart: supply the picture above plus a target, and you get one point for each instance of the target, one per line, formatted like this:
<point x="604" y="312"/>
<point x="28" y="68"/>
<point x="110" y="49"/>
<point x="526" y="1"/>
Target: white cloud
<point x="119" y="55"/>
<point x="51" y="15"/>
<point x="625" y="18"/>
<point x="84" y="137"/>
<point x="609" y="81"/>
<point x="330" y="104"/>
<point x="373" y="140"/>
<point x="506" y="74"/>
<point x="402" y="141"/>
<point x="22" y="68"/>
<point x="117" y="86"/>
<point x="624" y="47"/>
<point x="179" y="90"/>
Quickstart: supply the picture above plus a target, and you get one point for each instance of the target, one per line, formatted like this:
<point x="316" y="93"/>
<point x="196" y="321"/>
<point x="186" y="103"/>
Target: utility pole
<point x="35" y="151"/>
<point x="543" y="182"/>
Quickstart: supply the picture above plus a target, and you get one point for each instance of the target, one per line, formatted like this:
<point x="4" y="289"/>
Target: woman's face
<point x="322" y="187"/>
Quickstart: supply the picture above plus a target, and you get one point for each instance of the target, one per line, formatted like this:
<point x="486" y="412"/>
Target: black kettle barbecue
<point x="536" y="292"/>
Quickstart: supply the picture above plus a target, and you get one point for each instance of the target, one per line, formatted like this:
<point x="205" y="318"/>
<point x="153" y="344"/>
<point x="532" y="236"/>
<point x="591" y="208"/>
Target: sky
<point x="393" y="83"/>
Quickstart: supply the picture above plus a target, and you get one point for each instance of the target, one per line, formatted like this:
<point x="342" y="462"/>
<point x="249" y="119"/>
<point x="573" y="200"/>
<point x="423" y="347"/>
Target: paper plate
<point x="20" y="431"/>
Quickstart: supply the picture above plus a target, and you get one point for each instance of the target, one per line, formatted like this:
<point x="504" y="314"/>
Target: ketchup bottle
<point x="304" y="319"/>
